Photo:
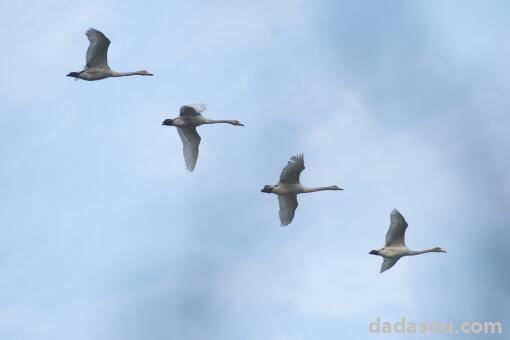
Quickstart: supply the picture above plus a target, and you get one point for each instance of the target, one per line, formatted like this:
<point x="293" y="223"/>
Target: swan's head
<point x="236" y="122"/>
<point x="73" y="74"/>
<point x="268" y="189"/>
<point x="439" y="250"/>
<point x="168" y="122"/>
<point x="335" y="187"/>
<point x="374" y="252"/>
<point x="145" y="73"/>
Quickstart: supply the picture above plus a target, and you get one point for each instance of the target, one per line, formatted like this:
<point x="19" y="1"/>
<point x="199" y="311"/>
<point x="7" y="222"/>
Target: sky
<point x="106" y="236"/>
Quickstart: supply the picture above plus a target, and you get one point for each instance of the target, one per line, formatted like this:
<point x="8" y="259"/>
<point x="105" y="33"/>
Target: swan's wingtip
<point x="383" y="270"/>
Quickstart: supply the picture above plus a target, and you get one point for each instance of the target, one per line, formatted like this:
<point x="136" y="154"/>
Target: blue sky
<point x="105" y="235"/>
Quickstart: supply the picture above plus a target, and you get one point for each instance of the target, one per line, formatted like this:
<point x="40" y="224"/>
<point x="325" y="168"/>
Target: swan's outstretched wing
<point x="98" y="49"/>
<point x="388" y="263"/>
<point x="396" y="233"/>
<point x="190" y="142"/>
<point x="290" y="174"/>
<point x="288" y="205"/>
<point x="192" y="110"/>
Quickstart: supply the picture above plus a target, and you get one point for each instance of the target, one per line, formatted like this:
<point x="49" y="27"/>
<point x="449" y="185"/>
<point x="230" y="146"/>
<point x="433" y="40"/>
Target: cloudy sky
<point x="106" y="236"/>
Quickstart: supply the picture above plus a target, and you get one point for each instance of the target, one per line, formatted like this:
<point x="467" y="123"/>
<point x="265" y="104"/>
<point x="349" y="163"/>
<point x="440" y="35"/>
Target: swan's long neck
<point x="220" y="121"/>
<point x="125" y="74"/>
<point x="418" y="252"/>
<point x="330" y="187"/>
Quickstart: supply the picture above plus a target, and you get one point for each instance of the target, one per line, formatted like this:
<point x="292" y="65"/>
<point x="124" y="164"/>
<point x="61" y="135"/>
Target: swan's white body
<point x="289" y="187"/>
<point x="96" y="67"/>
<point x="395" y="247"/>
<point x="190" y="117"/>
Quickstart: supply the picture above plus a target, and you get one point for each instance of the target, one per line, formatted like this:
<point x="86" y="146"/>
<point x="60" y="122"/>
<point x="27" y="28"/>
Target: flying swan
<point x="96" y="67"/>
<point x="395" y="247"/>
<point x="289" y="186"/>
<point x="189" y="118"/>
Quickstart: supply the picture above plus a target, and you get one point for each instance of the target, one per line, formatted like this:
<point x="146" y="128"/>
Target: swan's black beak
<point x="374" y="252"/>
<point x="267" y="189"/>
<point x="168" y="122"/>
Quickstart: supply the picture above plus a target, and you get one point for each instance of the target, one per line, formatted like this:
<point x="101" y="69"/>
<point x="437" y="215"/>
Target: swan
<point x="96" y="67"/>
<point x="395" y="247"/>
<point x="190" y="116"/>
<point x="289" y="186"/>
